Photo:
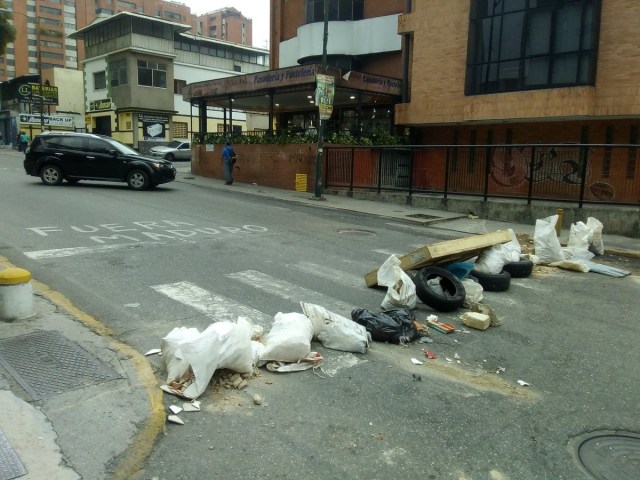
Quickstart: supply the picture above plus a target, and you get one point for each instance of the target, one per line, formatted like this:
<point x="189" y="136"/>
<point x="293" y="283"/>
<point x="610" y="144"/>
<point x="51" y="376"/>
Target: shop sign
<point x="36" y="94"/>
<point x="151" y="117"/>
<point x="153" y="131"/>
<point x="49" y="120"/>
<point x="103" y="104"/>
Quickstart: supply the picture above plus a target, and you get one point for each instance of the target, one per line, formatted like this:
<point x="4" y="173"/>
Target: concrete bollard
<point x="560" y="213"/>
<point x="16" y="295"/>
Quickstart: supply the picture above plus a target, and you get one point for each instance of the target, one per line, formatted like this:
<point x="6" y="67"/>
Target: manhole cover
<point x="613" y="456"/>
<point x="10" y="464"/>
<point x="46" y="363"/>
<point x="355" y="231"/>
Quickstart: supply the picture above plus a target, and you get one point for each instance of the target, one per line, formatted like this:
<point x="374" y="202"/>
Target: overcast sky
<point x="256" y="10"/>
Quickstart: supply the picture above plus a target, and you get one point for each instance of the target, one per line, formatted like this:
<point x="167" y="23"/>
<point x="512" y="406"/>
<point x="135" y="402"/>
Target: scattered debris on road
<point x="444" y="276"/>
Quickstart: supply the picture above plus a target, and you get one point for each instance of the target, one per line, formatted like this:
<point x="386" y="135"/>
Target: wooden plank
<point x="445" y="252"/>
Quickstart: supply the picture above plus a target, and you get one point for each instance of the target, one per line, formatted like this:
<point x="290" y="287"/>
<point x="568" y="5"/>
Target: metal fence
<point x="608" y="174"/>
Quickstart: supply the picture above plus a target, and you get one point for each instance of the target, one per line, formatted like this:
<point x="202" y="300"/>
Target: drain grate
<point x="611" y="456"/>
<point x="10" y="464"/>
<point x="46" y="363"/>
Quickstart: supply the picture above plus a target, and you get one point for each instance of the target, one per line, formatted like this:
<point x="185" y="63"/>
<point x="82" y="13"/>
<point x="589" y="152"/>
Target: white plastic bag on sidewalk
<point x="545" y="240"/>
<point x="221" y="345"/>
<point x="336" y="332"/>
<point x="401" y="291"/>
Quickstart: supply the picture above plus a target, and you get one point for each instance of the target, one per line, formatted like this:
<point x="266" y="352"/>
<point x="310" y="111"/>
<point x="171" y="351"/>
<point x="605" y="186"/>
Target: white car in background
<point x="176" y="150"/>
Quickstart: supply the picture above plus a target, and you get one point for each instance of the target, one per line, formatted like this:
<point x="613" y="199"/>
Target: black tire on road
<point x="138" y="180"/>
<point x="51" y="175"/>
<point x="492" y="282"/>
<point x="169" y="157"/>
<point x="449" y="295"/>
<point x="520" y="269"/>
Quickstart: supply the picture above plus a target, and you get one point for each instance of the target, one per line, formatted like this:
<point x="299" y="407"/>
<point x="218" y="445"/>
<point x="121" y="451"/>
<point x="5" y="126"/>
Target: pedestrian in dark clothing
<point x="228" y="160"/>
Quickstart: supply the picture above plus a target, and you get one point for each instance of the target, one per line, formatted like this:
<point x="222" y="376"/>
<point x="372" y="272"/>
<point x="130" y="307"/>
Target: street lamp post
<point x="325" y="37"/>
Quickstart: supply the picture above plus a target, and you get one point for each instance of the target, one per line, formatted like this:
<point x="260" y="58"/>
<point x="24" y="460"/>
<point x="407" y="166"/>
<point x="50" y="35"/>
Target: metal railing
<point x="581" y="173"/>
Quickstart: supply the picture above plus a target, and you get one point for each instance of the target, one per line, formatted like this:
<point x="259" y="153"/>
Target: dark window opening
<point x="339" y="10"/>
<point x="531" y="44"/>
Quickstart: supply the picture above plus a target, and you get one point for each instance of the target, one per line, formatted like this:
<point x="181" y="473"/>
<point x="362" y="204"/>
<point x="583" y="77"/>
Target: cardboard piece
<point x="445" y="252"/>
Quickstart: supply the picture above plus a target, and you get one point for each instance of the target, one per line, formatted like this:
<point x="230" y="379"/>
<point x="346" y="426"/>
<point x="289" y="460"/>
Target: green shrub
<point x="310" y="136"/>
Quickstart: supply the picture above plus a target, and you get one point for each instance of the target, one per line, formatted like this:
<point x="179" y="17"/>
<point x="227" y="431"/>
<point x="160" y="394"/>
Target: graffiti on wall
<point x="511" y="167"/>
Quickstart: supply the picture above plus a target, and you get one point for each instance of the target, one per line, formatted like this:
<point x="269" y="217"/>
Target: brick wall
<point x="440" y="32"/>
<point x="269" y="165"/>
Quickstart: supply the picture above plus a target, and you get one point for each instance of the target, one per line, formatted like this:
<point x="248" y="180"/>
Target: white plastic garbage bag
<point x="492" y="259"/>
<point x="221" y="345"/>
<point x="578" y="245"/>
<point x="335" y="331"/>
<point x="473" y="292"/>
<point x="289" y="339"/>
<point x="545" y="240"/>
<point x="401" y="291"/>
<point x="595" y="228"/>
<point x="177" y="367"/>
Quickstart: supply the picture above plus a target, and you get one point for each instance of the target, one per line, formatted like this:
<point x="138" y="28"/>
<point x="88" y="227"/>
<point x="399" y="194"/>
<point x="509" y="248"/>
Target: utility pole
<point x="39" y="52"/>
<point x="325" y="37"/>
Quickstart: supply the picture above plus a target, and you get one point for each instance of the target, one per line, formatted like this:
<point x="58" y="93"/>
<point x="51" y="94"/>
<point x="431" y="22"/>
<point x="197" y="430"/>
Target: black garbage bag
<point x="394" y="325"/>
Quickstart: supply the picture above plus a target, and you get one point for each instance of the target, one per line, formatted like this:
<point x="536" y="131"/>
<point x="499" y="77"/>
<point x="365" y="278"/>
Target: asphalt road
<point x="128" y="258"/>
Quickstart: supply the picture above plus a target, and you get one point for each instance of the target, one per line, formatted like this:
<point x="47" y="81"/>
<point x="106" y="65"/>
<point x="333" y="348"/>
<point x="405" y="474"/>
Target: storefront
<point x="363" y="103"/>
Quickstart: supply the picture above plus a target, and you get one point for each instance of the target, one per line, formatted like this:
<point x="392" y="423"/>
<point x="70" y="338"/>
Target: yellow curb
<point x="142" y="444"/>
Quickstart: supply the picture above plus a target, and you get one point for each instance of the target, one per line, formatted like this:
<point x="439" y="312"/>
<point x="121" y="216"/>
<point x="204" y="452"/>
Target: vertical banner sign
<point x="325" y="89"/>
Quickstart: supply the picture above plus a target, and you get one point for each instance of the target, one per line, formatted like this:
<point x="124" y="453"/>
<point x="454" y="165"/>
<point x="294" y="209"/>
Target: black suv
<point x="54" y="156"/>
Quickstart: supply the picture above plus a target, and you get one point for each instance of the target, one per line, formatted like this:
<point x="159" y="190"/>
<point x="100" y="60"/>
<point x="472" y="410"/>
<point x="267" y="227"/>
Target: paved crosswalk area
<point x="217" y="307"/>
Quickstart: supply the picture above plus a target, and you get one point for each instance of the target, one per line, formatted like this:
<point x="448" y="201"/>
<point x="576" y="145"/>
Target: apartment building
<point x="44" y="26"/>
<point x="226" y="24"/>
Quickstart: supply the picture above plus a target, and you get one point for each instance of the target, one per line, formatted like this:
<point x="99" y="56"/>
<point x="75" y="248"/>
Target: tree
<point x="7" y="32"/>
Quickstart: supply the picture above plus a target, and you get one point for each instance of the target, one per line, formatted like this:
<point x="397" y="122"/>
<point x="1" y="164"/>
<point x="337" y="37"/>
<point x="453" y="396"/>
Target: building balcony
<point x="363" y="37"/>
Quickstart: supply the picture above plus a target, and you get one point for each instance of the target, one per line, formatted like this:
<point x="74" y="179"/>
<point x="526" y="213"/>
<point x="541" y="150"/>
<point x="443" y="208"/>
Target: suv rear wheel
<point x="51" y="175"/>
<point x="138" y="180"/>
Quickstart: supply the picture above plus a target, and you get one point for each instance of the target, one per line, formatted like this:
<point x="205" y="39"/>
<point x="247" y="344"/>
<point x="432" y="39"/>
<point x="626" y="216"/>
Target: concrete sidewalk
<point x="75" y="402"/>
<point x="98" y="415"/>
<point x="457" y="224"/>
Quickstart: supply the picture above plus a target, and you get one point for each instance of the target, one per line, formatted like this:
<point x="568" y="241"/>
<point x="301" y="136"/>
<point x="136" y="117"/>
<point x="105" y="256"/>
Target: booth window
<point x="152" y="74"/>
